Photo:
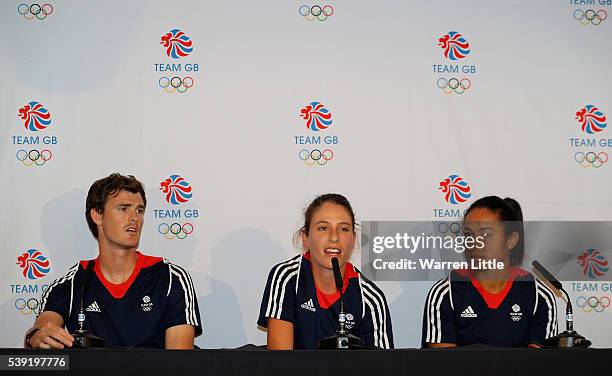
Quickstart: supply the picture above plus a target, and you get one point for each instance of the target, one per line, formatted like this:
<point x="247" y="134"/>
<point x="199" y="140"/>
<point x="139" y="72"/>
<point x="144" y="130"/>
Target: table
<point x="464" y="361"/>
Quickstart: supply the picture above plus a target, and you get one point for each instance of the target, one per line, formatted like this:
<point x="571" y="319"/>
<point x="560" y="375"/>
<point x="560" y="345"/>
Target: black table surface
<point x="463" y="361"/>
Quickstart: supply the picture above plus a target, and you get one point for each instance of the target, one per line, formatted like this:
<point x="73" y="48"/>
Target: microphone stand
<point x="342" y="339"/>
<point x="82" y="338"/>
<point x="569" y="338"/>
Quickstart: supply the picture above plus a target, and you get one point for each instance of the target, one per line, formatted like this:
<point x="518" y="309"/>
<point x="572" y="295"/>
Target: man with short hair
<point x="133" y="300"/>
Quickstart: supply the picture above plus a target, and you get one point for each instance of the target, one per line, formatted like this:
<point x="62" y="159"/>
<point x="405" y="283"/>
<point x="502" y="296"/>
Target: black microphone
<point x="84" y="287"/>
<point x="339" y="285"/>
<point x="569" y="338"/>
<point x="546" y="274"/>
<point x="82" y="338"/>
<point x="337" y="274"/>
<point x="342" y="339"/>
<point x="569" y="312"/>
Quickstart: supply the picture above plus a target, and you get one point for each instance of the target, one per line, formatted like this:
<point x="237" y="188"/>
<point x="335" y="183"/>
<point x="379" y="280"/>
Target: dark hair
<point x="334" y="198"/>
<point x="509" y="211"/>
<point x="110" y="185"/>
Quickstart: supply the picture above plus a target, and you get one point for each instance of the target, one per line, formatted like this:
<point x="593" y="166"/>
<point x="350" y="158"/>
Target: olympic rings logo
<point x="454" y="228"/>
<point x="33" y="157"/>
<point x="175" y="84"/>
<point x="591" y="159"/>
<point x="593" y="303"/>
<point x="590" y="16"/>
<point x="316" y="156"/>
<point x="316" y="12"/>
<point x="27" y="307"/>
<point x="30" y="12"/>
<point x="175" y="230"/>
<point x="454" y="85"/>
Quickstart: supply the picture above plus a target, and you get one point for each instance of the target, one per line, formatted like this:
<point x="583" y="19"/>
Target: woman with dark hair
<point x="498" y="306"/>
<point x="300" y="305"/>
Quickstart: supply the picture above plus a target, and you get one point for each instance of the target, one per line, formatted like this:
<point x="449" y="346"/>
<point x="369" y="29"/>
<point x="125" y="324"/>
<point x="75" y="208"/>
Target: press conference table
<point x="465" y="361"/>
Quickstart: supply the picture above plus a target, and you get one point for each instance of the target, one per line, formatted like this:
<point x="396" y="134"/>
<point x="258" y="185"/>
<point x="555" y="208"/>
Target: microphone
<point x="546" y="274"/>
<point x="82" y="338"/>
<point x="339" y="285"/>
<point x="342" y="339"/>
<point x="569" y="312"/>
<point x="569" y="338"/>
<point x="84" y="287"/>
<point x="337" y="274"/>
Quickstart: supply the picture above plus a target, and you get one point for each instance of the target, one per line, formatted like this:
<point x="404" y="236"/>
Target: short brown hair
<point x="110" y="185"/>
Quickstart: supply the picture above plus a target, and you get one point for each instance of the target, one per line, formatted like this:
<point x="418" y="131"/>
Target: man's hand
<point x="51" y="333"/>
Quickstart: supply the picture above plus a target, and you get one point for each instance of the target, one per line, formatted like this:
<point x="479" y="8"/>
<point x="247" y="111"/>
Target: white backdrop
<point x="232" y="134"/>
